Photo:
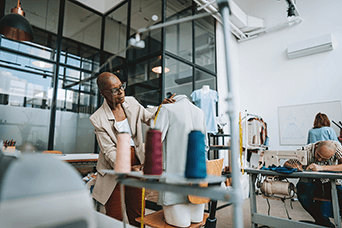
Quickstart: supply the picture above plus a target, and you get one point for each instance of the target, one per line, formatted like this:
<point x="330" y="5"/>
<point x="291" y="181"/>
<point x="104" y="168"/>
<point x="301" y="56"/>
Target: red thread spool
<point x="153" y="153"/>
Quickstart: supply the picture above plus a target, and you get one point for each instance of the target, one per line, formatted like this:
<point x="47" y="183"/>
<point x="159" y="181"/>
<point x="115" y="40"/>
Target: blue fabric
<point x="321" y="134"/>
<point x="196" y="166"/>
<point x="206" y="102"/>
<point x="280" y="169"/>
<point x="305" y="193"/>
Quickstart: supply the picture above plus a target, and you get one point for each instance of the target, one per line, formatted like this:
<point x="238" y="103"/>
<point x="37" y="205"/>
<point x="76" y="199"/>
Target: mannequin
<point x="182" y="215"/>
<point x="176" y="121"/>
<point x="206" y="99"/>
<point x="205" y="89"/>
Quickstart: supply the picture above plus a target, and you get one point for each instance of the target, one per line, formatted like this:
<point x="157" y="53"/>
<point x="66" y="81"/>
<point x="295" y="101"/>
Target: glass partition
<point x="82" y="25"/>
<point x="116" y="33"/>
<point x="144" y="82"/>
<point x="203" y="78"/>
<point x="24" y="102"/>
<point x="179" y="77"/>
<point x="179" y="37"/>
<point x="144" y="14"/>
<point x="205" y="43"/>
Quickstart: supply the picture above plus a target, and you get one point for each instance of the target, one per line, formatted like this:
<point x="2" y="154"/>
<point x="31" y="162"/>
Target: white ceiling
<point x="105" y="5"/>
<point x="101" y="5"/>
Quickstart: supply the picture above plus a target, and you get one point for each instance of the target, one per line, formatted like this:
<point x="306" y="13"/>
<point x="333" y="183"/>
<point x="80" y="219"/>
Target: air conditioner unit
<point x="310" y="46"/>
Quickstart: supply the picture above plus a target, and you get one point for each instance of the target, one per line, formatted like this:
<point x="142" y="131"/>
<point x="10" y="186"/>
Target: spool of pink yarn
<point x="123" y="153"/>
<point x="153" y="153"/>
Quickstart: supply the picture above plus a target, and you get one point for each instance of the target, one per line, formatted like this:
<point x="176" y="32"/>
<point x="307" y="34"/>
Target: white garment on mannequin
<point x="182" y="215"/>
<point x="205" y="89"/>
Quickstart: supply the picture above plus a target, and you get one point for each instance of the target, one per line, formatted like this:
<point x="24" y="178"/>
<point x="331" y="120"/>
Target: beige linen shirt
<point x="106" y="131"/>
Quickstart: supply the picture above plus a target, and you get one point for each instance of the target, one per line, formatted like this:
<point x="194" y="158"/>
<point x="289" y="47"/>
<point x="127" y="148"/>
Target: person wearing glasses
<point x="118" y="113"/>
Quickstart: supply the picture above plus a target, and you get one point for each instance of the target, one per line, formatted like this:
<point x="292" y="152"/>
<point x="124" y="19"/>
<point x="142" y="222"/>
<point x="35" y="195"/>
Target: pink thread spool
<point x="123" y="153"/>
<point x="153" y="153"/>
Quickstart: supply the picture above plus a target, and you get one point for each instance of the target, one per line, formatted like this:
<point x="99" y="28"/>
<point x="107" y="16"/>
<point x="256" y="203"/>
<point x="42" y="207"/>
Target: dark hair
<point x="321" y="120"/>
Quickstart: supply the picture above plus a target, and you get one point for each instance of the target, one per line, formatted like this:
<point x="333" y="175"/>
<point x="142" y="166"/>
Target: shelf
<point x="219" y="147"/>
<point x="184" y="186"/>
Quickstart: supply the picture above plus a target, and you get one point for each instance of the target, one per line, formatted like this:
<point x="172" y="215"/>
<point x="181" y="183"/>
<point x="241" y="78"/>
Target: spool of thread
<point x="195" y="159"/>
<point x="153" y="153"/>
<point x="123" y="153"/>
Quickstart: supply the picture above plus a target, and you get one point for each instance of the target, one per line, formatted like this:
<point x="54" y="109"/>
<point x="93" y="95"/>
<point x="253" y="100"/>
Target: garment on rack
<point x="207" y="102"/>
<point x="176" y="121"/>
<point x="256" y="132"/>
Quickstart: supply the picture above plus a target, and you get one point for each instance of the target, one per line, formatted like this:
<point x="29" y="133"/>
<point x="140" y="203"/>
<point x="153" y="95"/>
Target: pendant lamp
<point x="15" y="26"/>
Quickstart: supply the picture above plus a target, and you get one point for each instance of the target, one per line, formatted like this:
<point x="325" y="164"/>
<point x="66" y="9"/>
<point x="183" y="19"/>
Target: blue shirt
<point x="206" y="102"/>
<point x="321" y="134"/>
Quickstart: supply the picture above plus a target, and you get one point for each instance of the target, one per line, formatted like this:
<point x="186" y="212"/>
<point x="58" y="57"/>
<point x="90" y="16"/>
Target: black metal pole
<point x="163" y="34"/>
<point x="56" y="72"/>
<point x="2" y="7"/>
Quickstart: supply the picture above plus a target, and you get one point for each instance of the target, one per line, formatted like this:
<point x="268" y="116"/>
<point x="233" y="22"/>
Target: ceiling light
<point x="42" y="64"/>
<point x="15" y="26"/>
<point x="158" y="69"/>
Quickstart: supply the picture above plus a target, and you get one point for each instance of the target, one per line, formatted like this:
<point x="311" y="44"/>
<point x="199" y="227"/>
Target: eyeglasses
<point x="115" y="91"/>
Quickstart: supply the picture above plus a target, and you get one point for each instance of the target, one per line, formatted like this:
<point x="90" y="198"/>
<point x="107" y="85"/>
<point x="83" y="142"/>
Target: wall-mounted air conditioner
<point x="310" y="46"/>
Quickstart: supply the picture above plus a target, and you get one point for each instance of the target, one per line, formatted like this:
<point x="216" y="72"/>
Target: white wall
<point x="222" y="83"/>
<point x="268" y="79"/>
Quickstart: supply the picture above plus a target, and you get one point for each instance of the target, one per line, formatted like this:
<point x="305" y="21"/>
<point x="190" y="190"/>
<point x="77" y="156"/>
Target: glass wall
<point x="205" y="43"/>
<point x="82" y="25"/>
<point x="179" y="37"/>
<point x="144" y="82"/>
<point x="24" y="103"/>
<point x="144" y="14"/>
<point x="28" y="69"/>
<point x="179" y="77"/>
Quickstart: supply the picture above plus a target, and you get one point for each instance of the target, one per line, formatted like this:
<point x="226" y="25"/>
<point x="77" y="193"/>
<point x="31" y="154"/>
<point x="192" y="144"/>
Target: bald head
<point x="326" y="149"/>
<point x="105" y="78"/>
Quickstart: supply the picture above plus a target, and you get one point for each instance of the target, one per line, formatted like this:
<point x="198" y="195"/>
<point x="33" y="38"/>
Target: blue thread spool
<point x="195" y="160"/>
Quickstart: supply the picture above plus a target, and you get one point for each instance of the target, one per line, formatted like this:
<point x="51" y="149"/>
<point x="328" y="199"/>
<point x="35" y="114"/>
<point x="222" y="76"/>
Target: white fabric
<point x="254" y="128"/>
<point x="124" y="127"/>
<point x="182" y="215"/>
<point x="176" y="121"/>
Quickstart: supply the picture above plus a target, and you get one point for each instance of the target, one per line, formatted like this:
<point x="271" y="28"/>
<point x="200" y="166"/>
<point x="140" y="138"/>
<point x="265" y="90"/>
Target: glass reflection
<point x="179" y="79"/>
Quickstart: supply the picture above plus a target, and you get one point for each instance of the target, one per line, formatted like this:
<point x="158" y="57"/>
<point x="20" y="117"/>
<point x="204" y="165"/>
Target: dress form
<point x="205" y="89"/>
<point x="182" y="215"/>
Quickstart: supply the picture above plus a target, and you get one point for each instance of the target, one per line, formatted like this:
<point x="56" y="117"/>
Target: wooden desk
<point x="280" y="222"/>
<point x="84" y="163"/>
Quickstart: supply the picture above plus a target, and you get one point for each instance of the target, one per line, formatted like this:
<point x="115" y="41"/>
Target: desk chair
<point x="325" y="206"/>
<point x="156" y="219"/>
<point x="52" y="152"/>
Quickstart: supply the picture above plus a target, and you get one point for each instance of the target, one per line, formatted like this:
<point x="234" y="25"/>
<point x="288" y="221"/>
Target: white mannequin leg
<point x="197" y="211"/>
<point x="177" y="215"/>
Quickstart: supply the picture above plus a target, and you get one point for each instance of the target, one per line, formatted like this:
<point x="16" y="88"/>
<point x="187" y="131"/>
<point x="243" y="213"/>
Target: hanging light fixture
<point x="158" y="69"/>
<point x="15" y="26"/>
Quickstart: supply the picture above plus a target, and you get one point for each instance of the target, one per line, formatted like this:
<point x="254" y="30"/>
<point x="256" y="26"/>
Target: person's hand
<point x="297" y="166"/>
<point x="314" y="167"/>
<point x="136" y="167"/>
<point x="294" y="165"/>
<point x="169" y="100"/>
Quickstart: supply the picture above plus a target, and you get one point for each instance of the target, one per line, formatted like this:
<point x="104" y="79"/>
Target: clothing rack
<point x="246" y="144"/>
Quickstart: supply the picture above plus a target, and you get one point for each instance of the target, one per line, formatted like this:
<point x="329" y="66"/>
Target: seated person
<point x="321" y="129"/>
<point x="322" y="156"/>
